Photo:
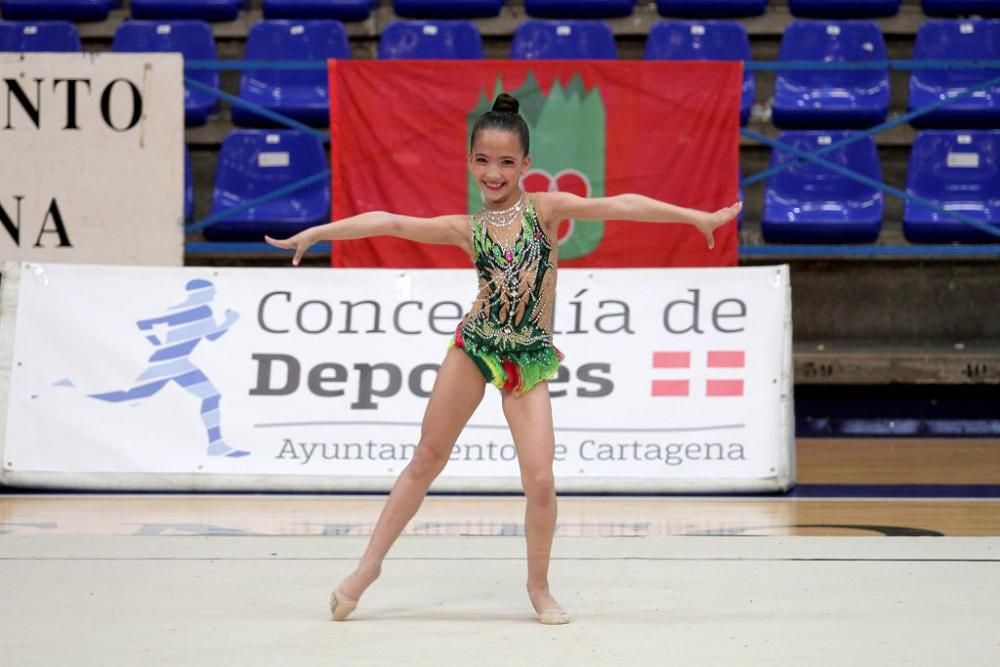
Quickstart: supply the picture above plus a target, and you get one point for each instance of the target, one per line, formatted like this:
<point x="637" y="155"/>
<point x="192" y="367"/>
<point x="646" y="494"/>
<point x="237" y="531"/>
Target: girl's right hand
<point x="299" y="243"/>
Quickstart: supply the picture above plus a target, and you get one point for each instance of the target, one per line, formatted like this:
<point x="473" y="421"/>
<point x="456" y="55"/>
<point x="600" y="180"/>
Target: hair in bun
<point x="505" y="103"/>
<point x="503" y="116"/>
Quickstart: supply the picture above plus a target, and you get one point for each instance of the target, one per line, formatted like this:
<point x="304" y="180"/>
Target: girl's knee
<point x="540" y="488"/>
<point x="428" y="461"/>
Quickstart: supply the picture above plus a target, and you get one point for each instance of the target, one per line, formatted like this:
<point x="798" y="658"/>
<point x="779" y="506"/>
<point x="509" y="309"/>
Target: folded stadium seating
<point x="962" y="7"/>
<point x="843" y="9"/>
<point x="340" y="10"/>
<point x="943" y="39"/>
<point x="711" y="9"/>
<point x="430" y="39"/>
<point x="206" y="10"/>
<point x="578" y="9"/>
<point x="254" y="163"/>
<point x="810" y="204"/>
<point x="50" y="36"/>
<point x="191" y="38"/>
<point x="831" y="99"/>
<point x="704" y="40"/>
<point x="301" y="94"/>
<point x="55" y="10"/>
<point x="447" y="9"/>
<point x="571" y="39"/>
<point x="959" y="171"/>
<point x="188" y="186"/>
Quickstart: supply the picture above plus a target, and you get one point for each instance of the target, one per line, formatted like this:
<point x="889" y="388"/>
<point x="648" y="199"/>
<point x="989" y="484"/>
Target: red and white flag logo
<point x="714" y="359"/>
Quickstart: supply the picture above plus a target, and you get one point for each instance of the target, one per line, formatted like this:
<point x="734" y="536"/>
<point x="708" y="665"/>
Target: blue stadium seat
<point x="704" y="40"/>
<point x="51" y="36"/>
<point x="206" y="10"/>
<point x="711" y="9"/>
<point x="447" y="9"/>
<point x="811" y="204"/>
<point x="254" y="163"/>
<point x="188" y="186"/>
<point x="446" y="40"/>
<point x="578" y="9"/>
<point x="55" y="10"/>
<point x="301" y="94"/>
<point x="831" y="99"/>
<point x="959" y="171"/>
<point x="943" y="39"/>
<point x="962" y="7"/>
<point x="340" y="10"/>
<point x="536" y="40"/>
<point x="191" y="38"/>
<point x="843" y="9"/>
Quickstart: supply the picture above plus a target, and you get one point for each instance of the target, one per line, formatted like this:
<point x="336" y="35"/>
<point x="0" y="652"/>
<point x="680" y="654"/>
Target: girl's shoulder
<point x="543" y="204"/>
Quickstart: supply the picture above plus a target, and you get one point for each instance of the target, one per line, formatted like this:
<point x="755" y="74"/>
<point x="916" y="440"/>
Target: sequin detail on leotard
<point x="508" y="330"/>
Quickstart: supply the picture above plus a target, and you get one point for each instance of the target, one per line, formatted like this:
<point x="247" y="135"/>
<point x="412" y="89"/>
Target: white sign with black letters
<point x="91" y="158"/>
<point x="200" y="378"/>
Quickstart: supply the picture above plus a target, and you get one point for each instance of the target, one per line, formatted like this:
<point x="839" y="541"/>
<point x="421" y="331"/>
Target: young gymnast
<point x="505" y="338"/>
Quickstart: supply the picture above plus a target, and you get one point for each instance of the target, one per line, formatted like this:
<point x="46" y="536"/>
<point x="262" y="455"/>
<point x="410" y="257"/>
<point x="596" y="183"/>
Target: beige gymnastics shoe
<point x="554" y="616"/>
<point x="341" y="607"/>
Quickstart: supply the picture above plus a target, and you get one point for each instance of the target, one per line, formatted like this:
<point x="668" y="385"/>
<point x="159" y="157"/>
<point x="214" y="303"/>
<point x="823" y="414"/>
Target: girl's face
<point x="497" y="162"/>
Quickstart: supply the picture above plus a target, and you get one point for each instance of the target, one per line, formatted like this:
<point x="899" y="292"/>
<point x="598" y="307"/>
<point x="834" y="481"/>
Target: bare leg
<point x="530" y="420"/>
<point x="457" y="392"/>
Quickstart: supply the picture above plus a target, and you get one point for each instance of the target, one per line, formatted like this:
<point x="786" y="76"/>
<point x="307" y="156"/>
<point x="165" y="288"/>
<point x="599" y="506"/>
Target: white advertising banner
<point x="674" y="380"/>
<point x="92" y="158"/>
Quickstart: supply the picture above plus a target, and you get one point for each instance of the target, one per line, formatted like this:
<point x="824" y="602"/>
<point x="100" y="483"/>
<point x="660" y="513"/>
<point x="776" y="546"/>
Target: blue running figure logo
<point x="187" y="324"/>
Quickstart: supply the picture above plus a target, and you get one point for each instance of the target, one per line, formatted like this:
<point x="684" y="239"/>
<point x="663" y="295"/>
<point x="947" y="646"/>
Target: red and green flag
<point x="669" y="130"/>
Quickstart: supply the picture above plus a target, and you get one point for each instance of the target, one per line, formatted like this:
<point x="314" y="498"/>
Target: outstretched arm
<point x="231" y="317"/>
<point x="446" y="229"/>
<point x="559" y="205"/>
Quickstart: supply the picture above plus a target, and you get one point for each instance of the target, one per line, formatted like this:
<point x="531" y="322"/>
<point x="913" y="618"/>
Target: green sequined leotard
<point x="508" y="330"/>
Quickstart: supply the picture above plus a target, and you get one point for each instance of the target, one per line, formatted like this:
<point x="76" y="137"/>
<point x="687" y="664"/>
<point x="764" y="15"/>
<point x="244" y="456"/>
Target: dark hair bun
<point x="506" y="103"/>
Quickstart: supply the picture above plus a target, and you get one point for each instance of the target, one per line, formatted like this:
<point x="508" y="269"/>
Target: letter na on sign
<point x="51" y="222"/>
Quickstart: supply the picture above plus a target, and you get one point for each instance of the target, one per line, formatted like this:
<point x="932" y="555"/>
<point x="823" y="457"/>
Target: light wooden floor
<point x="500" y="516"/>
<point x="938" y="462"/>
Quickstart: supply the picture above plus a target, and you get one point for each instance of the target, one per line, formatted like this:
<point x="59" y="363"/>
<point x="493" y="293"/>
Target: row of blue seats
<point x="825" y="99"/>
<point x="357" y="10"/>
<point x="958" y="171"/>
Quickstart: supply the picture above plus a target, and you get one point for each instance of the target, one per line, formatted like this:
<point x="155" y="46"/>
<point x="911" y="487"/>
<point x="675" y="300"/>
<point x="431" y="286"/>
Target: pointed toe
<point x="341" y="607"/>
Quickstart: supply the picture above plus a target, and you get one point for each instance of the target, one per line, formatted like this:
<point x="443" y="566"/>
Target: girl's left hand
<point x="712" y="221"/>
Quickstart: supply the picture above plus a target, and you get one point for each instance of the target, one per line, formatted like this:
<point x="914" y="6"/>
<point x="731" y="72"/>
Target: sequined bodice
<point x="517" y="280"/>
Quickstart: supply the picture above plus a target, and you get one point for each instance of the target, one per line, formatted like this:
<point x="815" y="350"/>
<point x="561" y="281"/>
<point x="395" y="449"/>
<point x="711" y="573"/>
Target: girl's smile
<point x="497" y="162"/>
